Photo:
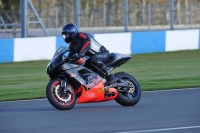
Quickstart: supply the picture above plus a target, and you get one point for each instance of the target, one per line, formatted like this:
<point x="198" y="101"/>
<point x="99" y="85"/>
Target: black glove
<point x="75" y="57"/>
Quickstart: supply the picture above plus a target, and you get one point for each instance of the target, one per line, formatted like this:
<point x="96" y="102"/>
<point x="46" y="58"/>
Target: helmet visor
<point x="65" y="35"/>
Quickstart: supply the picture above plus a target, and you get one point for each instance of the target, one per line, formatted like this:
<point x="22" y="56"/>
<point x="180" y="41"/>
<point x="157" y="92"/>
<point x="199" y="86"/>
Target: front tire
<point x="56" y="97"/>
<point x="133" y="95"/>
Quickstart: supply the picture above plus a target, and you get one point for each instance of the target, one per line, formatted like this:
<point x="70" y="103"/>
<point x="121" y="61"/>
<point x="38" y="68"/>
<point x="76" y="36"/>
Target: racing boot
<point x="108" y="75"/>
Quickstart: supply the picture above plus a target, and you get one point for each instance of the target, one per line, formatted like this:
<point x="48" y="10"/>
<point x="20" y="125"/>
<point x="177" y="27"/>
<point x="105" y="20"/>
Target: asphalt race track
<point x="174" y="111"/>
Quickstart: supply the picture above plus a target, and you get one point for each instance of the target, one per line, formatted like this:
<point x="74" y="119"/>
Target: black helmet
<point x="69" y="31"/>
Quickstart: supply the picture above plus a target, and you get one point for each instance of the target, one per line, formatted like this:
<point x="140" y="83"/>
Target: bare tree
<point x="143" y="12"/>
<point x="178" y="7"/>
<point x="187" y="12"/>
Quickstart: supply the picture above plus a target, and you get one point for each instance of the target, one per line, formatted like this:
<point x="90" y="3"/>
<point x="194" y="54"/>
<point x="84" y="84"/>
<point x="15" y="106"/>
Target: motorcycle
<point x="71" y="83"/>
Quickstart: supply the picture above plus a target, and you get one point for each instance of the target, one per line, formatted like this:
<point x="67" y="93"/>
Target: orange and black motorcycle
<point x="71" y="83"/>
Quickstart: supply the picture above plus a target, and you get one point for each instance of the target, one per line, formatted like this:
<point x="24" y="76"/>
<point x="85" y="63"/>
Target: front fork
<point x="64" y="87"/>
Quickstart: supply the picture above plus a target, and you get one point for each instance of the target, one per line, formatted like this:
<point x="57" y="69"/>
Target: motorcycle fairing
<point x="68" y="66"/>
<point x="96" y="94"/>
<point x="91" y="80"/>
<point x="56" y="61"/>
<point x="75" y="74"/>
<point x="75" y="77"/>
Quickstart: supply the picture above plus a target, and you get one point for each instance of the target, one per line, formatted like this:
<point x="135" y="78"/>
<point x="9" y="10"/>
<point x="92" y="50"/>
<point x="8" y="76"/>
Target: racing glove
<point x="77" y="56"/>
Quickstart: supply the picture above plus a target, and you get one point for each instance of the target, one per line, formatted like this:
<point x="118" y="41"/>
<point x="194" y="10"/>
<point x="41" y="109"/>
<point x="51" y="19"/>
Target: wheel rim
<point x="133" y="90"/>
<point x="132" y="87"/>
<point x="59" y="97"/>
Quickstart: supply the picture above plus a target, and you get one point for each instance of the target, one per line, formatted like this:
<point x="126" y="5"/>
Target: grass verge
<point x="156" y="71"/>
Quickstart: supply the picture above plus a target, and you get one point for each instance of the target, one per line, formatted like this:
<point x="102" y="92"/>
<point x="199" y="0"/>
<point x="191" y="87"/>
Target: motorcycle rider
<point x="81" y="44"/>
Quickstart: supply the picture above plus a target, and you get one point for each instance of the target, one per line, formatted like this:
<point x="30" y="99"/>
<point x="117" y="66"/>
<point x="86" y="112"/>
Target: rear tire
<point x="57" y="98"/>
<point x="133" y="95"/>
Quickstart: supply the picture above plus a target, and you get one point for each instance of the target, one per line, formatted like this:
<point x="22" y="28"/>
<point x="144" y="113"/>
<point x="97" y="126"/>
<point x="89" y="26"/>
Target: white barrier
<point x="43" y="48"/>
<point x="115" y="42"/>
<point x="26" y="49"/>
<point x="182" y="40"/>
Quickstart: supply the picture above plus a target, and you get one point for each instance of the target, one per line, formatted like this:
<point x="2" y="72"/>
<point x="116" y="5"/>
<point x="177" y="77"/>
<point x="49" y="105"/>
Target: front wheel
<point x="133" y="95"/>
<point x="59" y="99"/>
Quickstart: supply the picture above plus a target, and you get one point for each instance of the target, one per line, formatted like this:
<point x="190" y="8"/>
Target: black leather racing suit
<point x="81" y="45"/>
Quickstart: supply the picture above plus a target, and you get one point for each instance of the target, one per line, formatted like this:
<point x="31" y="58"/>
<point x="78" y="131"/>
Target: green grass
<point x="27" y="80"/>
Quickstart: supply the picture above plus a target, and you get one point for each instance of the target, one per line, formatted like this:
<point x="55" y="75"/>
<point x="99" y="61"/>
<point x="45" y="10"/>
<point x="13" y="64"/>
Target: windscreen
<point x="60" y="50"/>
<point x="95" y="46"/>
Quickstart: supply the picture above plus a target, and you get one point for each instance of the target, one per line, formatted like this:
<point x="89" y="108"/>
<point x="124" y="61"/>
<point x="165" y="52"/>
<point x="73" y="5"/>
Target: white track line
<point x="159" y="130"/>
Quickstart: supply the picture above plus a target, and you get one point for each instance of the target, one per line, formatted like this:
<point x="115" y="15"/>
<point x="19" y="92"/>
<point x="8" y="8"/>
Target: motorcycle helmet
<point x="69" y="31"/>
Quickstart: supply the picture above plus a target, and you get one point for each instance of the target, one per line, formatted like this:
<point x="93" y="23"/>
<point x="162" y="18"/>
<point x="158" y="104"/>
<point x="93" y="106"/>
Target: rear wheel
<point x="133" y="95"/>
<point x="57" y="97"/>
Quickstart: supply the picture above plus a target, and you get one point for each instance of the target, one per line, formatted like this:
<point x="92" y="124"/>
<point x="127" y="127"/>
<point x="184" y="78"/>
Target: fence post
<point x="125" y="15"/>
<point x="171" y="14"/>
<point x="77" y="12"/>
<point x="24" y="7"/>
